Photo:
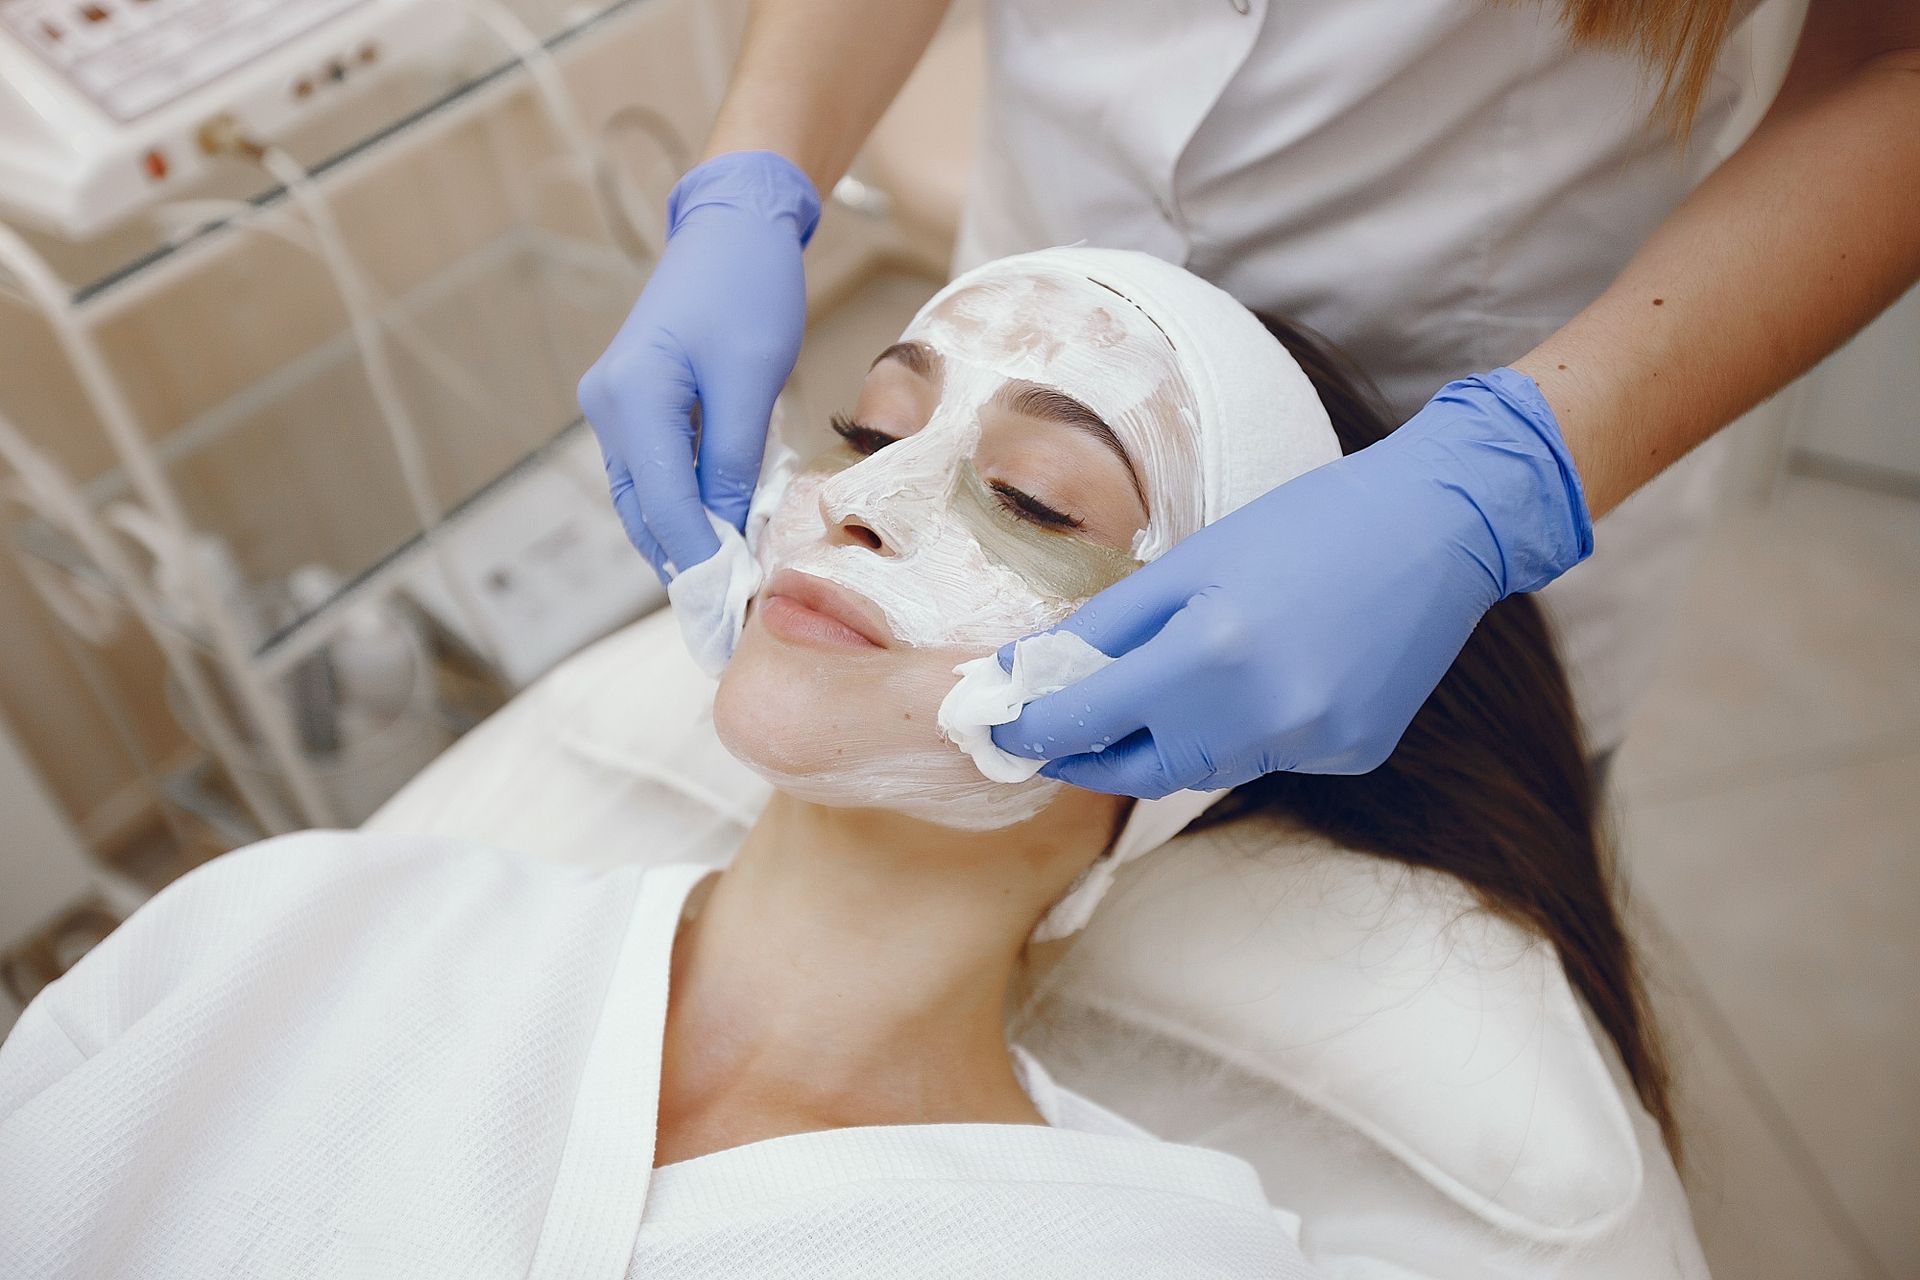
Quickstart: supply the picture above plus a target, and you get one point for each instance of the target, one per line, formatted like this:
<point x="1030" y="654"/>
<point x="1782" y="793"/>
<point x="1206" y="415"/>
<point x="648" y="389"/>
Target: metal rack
<point x="555" y="295"/>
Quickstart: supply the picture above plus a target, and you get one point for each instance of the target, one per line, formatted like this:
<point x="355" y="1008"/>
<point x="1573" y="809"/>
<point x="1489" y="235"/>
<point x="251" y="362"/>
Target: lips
<point x="835" y="608"/>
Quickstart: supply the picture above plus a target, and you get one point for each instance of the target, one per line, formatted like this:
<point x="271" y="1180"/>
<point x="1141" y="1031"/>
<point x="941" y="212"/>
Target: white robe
<point x="363" y="1055"/>
<point x="1411" y="1075"/>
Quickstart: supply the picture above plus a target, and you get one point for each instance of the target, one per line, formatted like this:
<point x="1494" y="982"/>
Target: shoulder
<point x="321" y="904"/>
<point x="286" y="871"/>
<point x="309" y="1042"/>
<point x="349" y="879"/>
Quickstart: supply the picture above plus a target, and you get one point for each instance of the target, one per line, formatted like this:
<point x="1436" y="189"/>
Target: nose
<point x="851" y="530"/>
<point x="882" y="502"/>
<point x="857" y="519"/>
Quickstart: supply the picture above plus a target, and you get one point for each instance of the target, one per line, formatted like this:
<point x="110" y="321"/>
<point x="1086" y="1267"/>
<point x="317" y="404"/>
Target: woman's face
<point x="1024" y="445"/>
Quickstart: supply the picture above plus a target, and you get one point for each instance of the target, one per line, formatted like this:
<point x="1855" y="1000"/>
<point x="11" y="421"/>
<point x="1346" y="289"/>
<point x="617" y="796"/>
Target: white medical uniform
<point x="368" y="1055"/>
<point x="1436" y="185"/>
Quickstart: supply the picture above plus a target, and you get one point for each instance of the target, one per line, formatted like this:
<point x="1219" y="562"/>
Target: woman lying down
<point x="373" y="1055"/>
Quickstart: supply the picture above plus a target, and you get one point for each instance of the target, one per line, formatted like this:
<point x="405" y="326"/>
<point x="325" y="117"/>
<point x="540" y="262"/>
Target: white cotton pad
<point x="710" y="600"/>
<point x="988" y="695"/>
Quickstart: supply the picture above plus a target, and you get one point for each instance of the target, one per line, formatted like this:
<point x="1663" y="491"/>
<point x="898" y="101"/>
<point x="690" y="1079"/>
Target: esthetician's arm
<point x="720" y="319"/>
<point x="1808" y="231"/>
<point x="1304" y="631"/>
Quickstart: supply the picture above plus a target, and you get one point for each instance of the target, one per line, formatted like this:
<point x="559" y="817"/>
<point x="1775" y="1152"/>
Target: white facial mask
<point x="945" y="577"/>
<point x="954" y="570"/>
<point x="1076" y="320"/>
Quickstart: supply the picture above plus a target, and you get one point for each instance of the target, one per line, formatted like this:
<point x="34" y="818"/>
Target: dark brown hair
<point x="1489" y="784"/>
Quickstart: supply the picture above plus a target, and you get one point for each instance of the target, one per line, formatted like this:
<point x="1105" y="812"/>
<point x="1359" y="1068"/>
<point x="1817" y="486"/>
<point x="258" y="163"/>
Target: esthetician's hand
<point x="1303" y="631"/>
<point x="718" y="323"/>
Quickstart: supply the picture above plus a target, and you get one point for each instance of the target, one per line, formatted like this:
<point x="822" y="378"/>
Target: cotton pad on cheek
<point x="987" y="696"/>
<point x="710" y="599"/>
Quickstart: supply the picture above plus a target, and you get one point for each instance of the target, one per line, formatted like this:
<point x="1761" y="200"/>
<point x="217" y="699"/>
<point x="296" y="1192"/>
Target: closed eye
<point x="864" y="440"/>
<point x="867" y="441"/>
<point x="1028" y="507"/>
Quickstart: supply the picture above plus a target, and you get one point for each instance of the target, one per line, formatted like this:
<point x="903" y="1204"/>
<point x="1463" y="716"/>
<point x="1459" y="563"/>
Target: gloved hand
<point x="1303" y="631"/>
<point x="719" y="322"/>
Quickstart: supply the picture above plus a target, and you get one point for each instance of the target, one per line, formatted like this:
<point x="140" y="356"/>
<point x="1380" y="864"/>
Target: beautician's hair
<point x="1678" y="39"/>
<point x="1489" y="784"/>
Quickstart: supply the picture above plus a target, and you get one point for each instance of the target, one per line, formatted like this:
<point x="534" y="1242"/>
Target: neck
<point x="856" y="962"/>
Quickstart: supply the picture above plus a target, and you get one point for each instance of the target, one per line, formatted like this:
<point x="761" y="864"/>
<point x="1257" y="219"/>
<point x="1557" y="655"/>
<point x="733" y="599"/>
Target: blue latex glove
<point x="718" y="323"/>
<point x="1303" y="631"/>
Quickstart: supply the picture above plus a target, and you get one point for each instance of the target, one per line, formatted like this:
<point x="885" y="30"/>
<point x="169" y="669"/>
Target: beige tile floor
<point x="1768" y="808"/>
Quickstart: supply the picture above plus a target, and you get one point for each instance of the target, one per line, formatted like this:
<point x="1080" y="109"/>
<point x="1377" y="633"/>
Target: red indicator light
<point x="155" y="164"/>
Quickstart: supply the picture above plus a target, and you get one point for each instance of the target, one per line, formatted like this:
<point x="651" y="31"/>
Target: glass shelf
<point x="475" y="63"/>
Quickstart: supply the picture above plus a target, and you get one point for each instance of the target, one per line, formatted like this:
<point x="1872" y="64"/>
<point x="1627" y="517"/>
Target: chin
<point x="857" y="730"/>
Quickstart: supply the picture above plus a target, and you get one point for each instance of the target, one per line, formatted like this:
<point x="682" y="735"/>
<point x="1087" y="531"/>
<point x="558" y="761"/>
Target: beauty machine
<point x="107" y="106"/>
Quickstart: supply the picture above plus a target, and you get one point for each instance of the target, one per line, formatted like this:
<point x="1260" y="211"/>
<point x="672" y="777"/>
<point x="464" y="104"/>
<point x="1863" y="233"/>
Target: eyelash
<point x="1028" y="507"/>
<point x="866" y="442"/>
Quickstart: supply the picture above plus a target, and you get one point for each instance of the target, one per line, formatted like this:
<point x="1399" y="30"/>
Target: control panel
<point x="104" y="103"/>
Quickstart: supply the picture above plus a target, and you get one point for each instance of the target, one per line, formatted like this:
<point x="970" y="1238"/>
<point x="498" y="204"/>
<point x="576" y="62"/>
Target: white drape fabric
<point x="348" y="1054"/>
<point x="1413" y="1078"/>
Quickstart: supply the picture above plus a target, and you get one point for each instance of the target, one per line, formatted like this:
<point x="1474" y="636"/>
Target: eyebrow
<point x="1044" y="403"/>
<point x="1028" y="399"/>
<point x="917" y="356"/>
